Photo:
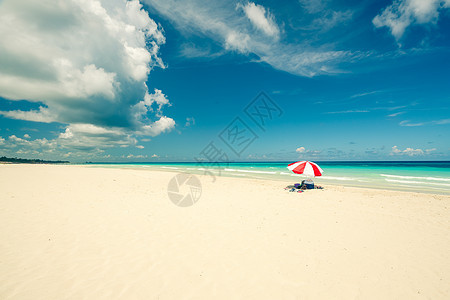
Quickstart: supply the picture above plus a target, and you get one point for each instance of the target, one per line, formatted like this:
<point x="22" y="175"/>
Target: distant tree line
<point x="16" y="160"/>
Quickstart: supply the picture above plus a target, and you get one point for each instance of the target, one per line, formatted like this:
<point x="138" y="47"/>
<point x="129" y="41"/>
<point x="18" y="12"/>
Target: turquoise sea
<point x="417" y="176"/>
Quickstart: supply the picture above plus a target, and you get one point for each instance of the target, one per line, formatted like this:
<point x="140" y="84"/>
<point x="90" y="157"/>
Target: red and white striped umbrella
<point x="307" y="168"/>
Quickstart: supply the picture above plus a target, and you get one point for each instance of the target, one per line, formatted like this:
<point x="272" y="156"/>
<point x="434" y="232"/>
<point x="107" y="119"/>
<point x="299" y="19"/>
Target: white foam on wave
<point x="249" y="171"/>
<point x="175" y="168"/>
<point x="416" y="182"/>
<point x="416" y="177"/>
<point x="339" y="178"/>
<point x="428" y="187"/>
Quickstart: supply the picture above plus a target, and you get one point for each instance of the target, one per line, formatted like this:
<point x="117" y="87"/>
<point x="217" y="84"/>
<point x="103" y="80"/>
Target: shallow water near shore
<point x="418" y="176"/>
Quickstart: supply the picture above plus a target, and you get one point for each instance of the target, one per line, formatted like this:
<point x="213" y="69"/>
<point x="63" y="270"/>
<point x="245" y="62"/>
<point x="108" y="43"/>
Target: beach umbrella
<point x="307" y="168"/>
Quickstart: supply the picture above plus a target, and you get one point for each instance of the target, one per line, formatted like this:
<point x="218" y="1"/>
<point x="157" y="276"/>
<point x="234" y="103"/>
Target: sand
<point x="76" y="232"/>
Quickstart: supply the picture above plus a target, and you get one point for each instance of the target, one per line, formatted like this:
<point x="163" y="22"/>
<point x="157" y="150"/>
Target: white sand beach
<point x="77" y="232"/>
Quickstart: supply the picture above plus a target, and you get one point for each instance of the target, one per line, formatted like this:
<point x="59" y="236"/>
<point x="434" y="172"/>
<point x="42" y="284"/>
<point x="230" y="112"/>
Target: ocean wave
<point x="339" y="178"/>
<point x="416" y="177"/>
<point x="324" y="177"/>
<point x="249" y="171"/>
<point x="428" y="187"/>
<point x="417" y="182"/>
<point x="175" y="168"/>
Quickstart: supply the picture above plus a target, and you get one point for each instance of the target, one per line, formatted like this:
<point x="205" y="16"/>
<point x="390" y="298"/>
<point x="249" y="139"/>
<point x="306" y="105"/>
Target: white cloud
<point x="42" y="115"/>
<point x="403" y="13"/>
<point x="26" y="136"/>
<point x="80" y="140"/>
<point x="155" y="156"/>
<point x="189" y="122"/>
<point x="228" y="27"/>
<point x="313" y="6"/>
<point x="410" y="151"/>
<point x="141" y="110"/>
<point x="87" y="63"/>
<point x="442" y="122"/>
<point x="408" y="123"/>
<point x="348" y="111"/>
<point x="261" y="18"/>
<point x="159" y="98"/>
<point x="164" y="124"/>
<point x="88" y="137"/>
<point x="14" y="145"/>
<point x="323" y="17"/>
<point x="131" y="156"/>
<point x="300" y="150"/>
<point x="87" y="82"/>
<point x="396" y="114"/>
<point x="364" y="94"/>
<point x="191" y="50"/>
<point x="333" y="18"/>
<point x="237" y="41"/>
<point x="140" y="147"/>
<point x="300" y="61"/>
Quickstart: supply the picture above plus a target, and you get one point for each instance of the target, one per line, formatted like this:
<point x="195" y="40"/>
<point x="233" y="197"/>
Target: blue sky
<point x="160" y="80"/>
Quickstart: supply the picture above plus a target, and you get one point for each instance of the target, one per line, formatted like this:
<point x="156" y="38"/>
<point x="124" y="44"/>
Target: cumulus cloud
<point x="86" y="63"/>
<point x="88" y="137"/>
<point x="13" y="146"/>
<point x="410" y="151"/>
<point x="42" y="115"/>
<point x="300" y="150"/>
<point x="403" y="13"/>
<point x="65" y="146"/>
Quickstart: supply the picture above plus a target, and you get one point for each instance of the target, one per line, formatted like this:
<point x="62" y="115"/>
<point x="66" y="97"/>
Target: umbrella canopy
<point x="307" y="168"/>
